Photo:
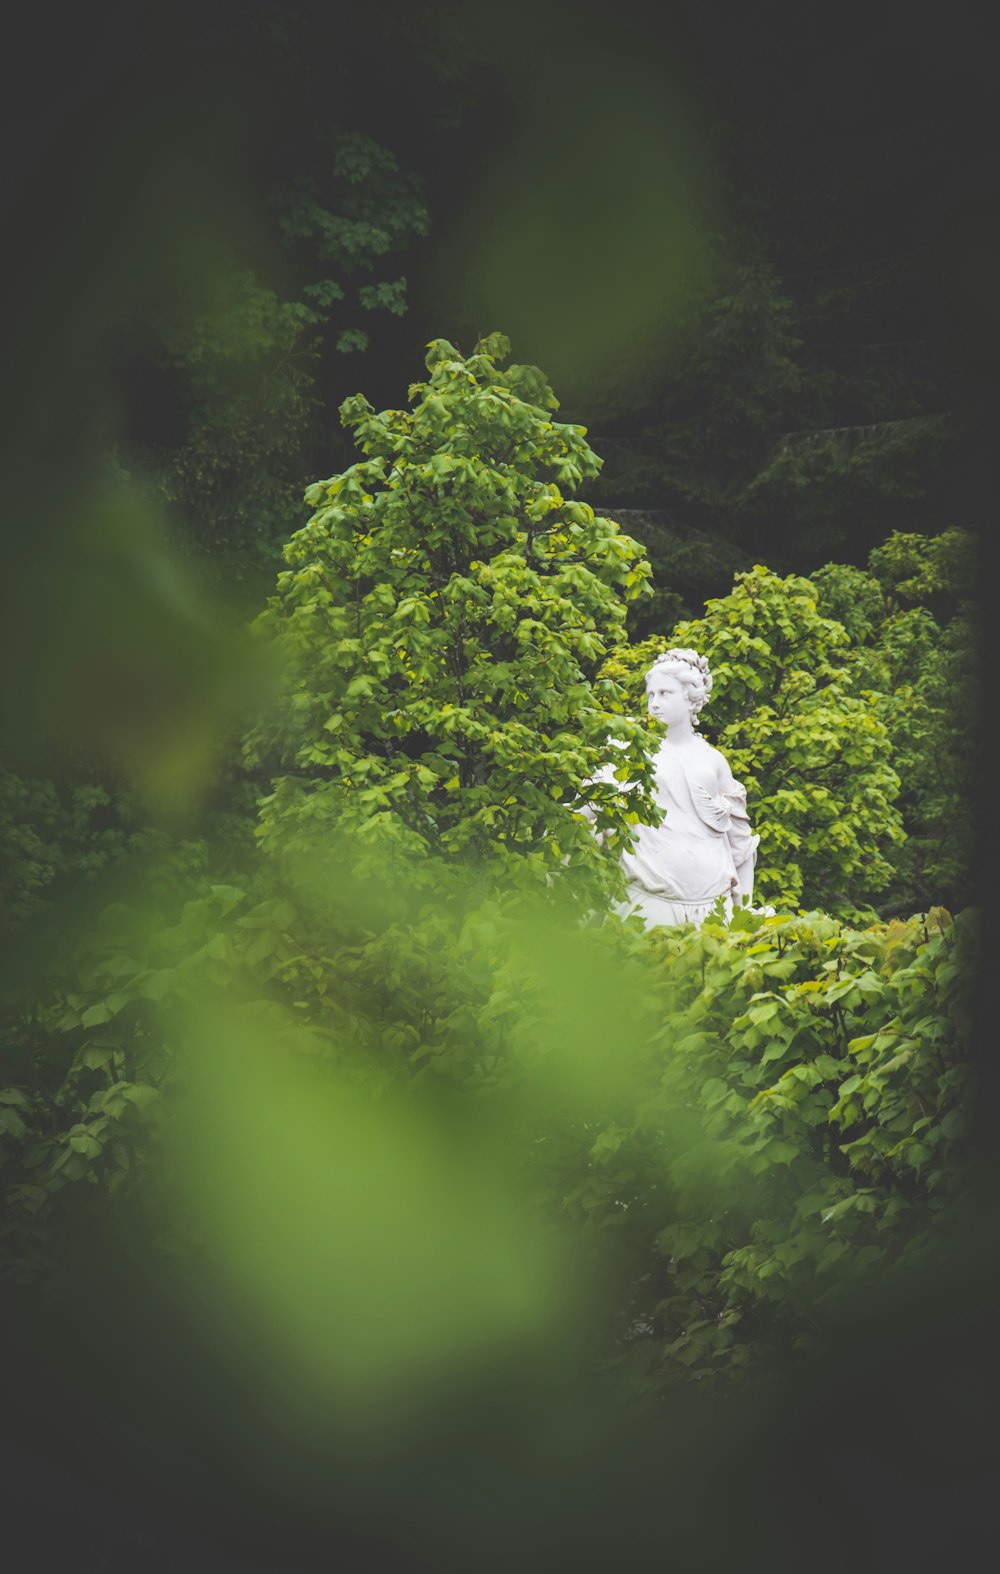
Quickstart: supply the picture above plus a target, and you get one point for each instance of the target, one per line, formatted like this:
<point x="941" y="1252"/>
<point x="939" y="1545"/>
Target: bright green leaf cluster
<point x="443" y="620"/>
<point x="800" y="1131"/>
<point x="915" y="662"/>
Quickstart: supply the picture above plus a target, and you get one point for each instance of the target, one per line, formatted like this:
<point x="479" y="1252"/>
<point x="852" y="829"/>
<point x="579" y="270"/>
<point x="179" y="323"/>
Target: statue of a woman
<point x="703" y="848"/>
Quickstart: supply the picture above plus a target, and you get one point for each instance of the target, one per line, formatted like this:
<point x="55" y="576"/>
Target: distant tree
<point x="245" y="378"/>
<point x="243" y="391"/>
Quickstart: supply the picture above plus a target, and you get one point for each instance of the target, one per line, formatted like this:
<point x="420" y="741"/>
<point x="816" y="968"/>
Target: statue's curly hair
<point x="693" y="672"/>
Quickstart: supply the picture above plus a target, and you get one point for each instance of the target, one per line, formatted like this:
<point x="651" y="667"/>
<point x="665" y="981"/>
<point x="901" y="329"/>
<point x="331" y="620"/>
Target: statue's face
<point x="666" y="699"/>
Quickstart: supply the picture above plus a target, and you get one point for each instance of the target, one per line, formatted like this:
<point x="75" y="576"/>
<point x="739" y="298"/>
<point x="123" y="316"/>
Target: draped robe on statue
<point x="704" y="848"/>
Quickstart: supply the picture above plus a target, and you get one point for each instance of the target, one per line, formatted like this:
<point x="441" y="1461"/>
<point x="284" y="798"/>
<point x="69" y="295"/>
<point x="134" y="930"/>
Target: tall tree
<point x="444" y="616"/>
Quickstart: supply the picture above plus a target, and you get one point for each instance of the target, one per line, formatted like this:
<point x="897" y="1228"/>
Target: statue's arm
<point x="742" y="841"/>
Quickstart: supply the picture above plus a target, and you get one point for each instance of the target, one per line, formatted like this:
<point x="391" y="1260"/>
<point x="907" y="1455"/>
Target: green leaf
<point x="774" y="1051"/>
<point x="104" y="1010"/>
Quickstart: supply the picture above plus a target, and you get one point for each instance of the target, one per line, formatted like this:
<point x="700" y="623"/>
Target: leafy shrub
<point x="797" y="1132"/>
<point x="752" y="1119"/>
<point x="46" y="834"/>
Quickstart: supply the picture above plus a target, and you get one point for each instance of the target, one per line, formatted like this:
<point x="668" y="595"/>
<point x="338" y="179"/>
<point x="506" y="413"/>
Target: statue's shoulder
<point x="709" y="751"/>
<point x="715" y="757"/>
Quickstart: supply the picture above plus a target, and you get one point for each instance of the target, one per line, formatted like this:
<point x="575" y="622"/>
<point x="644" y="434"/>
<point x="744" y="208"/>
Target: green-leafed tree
<point x="914" y="621"/>
<point x="242" y="380"/>
<point x="245" y="380"/>
<point x="444" y="619"/>
<point x="361" y="208"/>
<point x="814" y="756"/>
<point x="45" y="836"/>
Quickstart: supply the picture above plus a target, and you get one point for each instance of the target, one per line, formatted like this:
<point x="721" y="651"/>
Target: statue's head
<point x="691" y="673"/>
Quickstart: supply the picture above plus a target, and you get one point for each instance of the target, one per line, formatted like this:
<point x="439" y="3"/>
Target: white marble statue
<point x="703" y="848"/>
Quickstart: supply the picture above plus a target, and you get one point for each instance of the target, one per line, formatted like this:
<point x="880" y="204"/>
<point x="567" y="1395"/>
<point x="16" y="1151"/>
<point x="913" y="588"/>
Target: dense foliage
<point x="750" y="1119"/>
<point x="443" y="620"/>
<point x="915" y="657"/>
<point x="364" y="1175"/>
<point x="828" y="1071"/>
<point x="393" y="1106"/>
<point x="760" y="1115"/>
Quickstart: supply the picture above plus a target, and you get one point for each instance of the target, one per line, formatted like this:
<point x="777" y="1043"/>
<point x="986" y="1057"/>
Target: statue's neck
<point x="679" y="732"/>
